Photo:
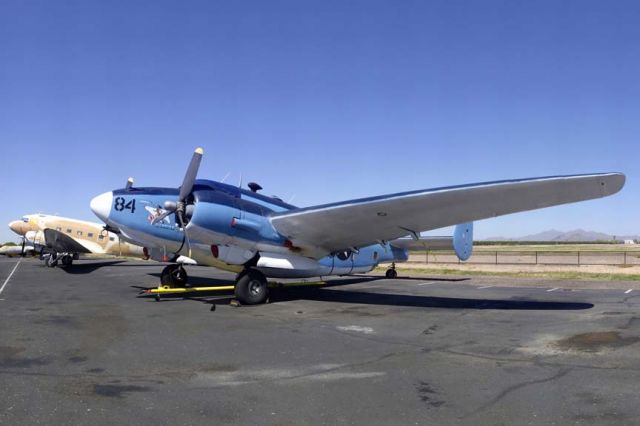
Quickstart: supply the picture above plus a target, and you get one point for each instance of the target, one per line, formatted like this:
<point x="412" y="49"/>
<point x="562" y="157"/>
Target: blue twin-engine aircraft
<point x="257" y="236"/>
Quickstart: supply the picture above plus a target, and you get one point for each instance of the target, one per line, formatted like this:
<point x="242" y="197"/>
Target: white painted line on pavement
<point x="628" y="291"/>
<point x="553" y="289"/>
<point x="10" y="275"/>
<point x="486" y="286"/>
<point x="429" y="283"/>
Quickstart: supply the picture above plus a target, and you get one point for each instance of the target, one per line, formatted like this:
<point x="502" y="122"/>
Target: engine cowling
<point x="210" y="218"/>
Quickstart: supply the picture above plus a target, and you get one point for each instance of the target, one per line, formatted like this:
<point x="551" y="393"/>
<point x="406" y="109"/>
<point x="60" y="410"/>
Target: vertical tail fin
<point x="463" y="240"/>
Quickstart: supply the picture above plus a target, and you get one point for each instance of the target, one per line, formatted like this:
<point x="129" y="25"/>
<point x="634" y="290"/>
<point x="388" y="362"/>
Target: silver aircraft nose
<point x="101" y="206"/>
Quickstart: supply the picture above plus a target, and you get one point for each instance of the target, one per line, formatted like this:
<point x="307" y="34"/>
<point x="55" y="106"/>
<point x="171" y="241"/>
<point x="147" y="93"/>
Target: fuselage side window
<point x="79" y="233"/>
<point x="90" y="235"/>
<point x="68" y="230"/>
<point x="111" y="239"/>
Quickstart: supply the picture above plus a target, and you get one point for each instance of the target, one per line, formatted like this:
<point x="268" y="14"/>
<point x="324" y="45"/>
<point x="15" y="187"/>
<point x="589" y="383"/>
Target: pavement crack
<point x="536" y="361"/>
<point x="561" y="373"/>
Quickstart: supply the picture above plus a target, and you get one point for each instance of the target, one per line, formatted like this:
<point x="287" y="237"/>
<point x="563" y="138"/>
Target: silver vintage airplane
<point x="61" y="240"/>
<point x="260" y="237"/>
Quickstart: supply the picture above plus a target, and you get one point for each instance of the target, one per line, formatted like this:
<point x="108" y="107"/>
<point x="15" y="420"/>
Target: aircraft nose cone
<point x="17" y="226"/>
<point x="101" y="206"/>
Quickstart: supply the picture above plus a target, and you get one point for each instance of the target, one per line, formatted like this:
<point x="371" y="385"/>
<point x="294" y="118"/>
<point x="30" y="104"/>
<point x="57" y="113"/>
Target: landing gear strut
<point x="174" y="276"/>
<point x="391" y="272"/>
<point x="251" y="287"/>
<point x="51" y="260"/>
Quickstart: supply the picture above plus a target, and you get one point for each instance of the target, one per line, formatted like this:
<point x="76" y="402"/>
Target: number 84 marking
<point x="122" y="204"/>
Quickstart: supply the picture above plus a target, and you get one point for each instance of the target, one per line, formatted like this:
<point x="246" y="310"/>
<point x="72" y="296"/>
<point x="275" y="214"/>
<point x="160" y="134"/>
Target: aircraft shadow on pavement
<point x="386" y="299"/>
<point x="425" y="278"/>
<point x="326" y="294"/>
<point x="87" y="268"/>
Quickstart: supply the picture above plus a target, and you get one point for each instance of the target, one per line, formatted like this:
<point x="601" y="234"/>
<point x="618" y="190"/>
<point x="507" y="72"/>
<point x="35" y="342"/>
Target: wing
<point x="63" y="243"/>
<point x="357" y="223"/>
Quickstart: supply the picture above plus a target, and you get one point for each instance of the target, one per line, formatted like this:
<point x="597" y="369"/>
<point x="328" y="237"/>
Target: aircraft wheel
<point x="174" y="276"/>
<point x="251" y="288"/>
<point x="67" y="260"/>
<point x="391" y="273"/>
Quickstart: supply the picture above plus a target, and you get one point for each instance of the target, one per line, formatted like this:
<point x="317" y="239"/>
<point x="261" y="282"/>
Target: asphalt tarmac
<point x="79" y="346"/>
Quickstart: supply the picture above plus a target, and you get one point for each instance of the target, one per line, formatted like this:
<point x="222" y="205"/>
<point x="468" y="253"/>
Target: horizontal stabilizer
<point x="423" y="243"/>
<point x="461" y="242"/>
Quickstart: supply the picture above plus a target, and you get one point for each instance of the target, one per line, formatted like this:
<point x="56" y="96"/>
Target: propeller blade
<point x="23" y="243"/>
<point x="190" y="176"/>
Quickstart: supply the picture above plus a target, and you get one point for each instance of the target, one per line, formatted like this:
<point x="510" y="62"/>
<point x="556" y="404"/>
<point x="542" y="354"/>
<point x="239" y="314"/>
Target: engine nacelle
<point x="232" y="255"/>
<point x="160" y="255"/>
<point x="211" y="217"/>
<point x="35" y="237"/>
<point x="286" y="265"/>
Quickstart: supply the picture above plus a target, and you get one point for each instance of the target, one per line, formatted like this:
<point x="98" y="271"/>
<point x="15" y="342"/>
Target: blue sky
<point x="323" y="101"/>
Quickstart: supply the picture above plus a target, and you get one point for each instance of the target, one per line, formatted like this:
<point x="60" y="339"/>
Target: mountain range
<point x="574" y="235"/>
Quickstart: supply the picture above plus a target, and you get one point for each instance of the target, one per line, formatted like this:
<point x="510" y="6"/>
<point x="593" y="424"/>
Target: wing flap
<point x="361" y="222"/>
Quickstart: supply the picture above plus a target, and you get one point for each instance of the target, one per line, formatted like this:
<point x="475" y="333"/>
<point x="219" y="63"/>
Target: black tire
<point x="67" y="260"/>
<point x="174" y="276"/>
<point x="391" y="274"/>
<point x="180" y="276"/>
<point x="251" y="288"/>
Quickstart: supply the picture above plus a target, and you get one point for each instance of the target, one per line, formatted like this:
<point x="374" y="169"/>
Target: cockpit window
<point x="25" y="219"/>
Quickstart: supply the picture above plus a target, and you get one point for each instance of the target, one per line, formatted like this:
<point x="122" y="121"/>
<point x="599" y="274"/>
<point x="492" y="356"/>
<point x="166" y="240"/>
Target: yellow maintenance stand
<point x="165" y="290"/>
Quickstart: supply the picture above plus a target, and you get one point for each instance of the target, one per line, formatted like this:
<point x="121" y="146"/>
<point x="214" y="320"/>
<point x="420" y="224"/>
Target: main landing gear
<point x="52" y="259"/>
<point x="391" y="272"/>
<point x="251" y="287"/>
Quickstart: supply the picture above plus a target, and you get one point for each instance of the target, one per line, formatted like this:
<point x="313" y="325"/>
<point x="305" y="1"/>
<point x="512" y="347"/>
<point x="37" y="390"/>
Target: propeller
<point x="178" y="207"/>
<point x="23" y="244"/>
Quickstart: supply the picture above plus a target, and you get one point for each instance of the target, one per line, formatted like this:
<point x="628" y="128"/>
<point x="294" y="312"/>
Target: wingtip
<point x="614" y="183"/>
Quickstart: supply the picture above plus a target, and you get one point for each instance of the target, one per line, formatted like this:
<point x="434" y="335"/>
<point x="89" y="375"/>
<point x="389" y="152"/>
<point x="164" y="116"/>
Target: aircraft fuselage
<point x="228" y="227"/>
